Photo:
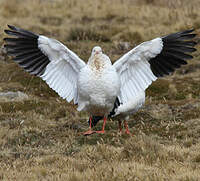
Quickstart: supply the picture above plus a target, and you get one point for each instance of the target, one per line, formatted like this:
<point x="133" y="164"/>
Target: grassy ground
<point x="40" y="137"/>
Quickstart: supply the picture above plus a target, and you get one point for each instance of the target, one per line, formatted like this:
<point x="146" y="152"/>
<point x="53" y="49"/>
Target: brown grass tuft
<point x="80" y="34"/>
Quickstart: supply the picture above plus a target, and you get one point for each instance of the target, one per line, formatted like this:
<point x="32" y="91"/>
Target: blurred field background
<point x="40" y="134"/>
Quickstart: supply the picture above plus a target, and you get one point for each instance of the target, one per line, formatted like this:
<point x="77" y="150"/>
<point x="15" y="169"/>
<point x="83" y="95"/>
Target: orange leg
<point x="104" y="123"/>
<point x="126" y="126"/>
<point x="89" y="132"/>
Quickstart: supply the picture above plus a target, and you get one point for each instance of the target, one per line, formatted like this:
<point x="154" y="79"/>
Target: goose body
<point x="98" y="86"/>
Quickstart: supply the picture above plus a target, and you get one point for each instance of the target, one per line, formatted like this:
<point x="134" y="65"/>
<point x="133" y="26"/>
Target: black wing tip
<point x="23" y="45"/>
<point x="195" y="43"/>
<point x="11" y="27"/>
<point x="190" y="57"/>
<point x="5" y="39"/>
<point x="188" y="31"/>
<point x="185" y="34"/>
<point x="191" y="35"/>
<point x="13" y="30"/>
<point x="194" y="49"/>
<point x="7" y="31"/>
<point x="8" y="39"/>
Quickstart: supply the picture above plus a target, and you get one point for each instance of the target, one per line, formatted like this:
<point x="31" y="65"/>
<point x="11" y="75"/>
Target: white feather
<point x="62" y="72"/>
<point x="132" y="105"/>
<point x="134" y="70"/>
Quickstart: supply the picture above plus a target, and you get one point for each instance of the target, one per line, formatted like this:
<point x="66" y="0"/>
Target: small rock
<point x="13" y="96"/>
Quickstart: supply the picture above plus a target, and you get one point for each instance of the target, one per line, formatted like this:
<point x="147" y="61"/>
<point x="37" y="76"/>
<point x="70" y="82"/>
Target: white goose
<point x="96" y="85"/>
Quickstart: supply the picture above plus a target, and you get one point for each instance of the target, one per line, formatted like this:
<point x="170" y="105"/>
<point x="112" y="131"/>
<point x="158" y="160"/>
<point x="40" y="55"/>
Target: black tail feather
<point x="95" y="120"/>
<point x="116" y="105"/>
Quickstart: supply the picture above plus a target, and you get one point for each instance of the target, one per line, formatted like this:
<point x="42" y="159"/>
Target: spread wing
<point x="46" y="58"/>
<point x="152" y="59"/>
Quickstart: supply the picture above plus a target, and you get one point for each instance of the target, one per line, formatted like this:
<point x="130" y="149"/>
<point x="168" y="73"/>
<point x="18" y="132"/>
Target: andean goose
<point x="96" y="86"/>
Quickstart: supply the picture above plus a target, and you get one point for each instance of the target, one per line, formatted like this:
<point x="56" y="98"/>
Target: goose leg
<point x="126" y="126"/>
<point x="89" y="132"/>
<point x="104" y="123"/>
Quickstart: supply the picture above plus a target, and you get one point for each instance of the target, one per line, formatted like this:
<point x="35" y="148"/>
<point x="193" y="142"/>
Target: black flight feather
<point x="174" y="52"/>
<point x="24" y="48"/>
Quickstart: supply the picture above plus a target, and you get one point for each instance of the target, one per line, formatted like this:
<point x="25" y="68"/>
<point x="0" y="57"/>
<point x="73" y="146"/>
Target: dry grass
<point x="40" y="138"/>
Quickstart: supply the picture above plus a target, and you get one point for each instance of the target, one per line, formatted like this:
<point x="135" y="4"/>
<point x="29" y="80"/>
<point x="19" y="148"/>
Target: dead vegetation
<point x="40" y="137"/>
